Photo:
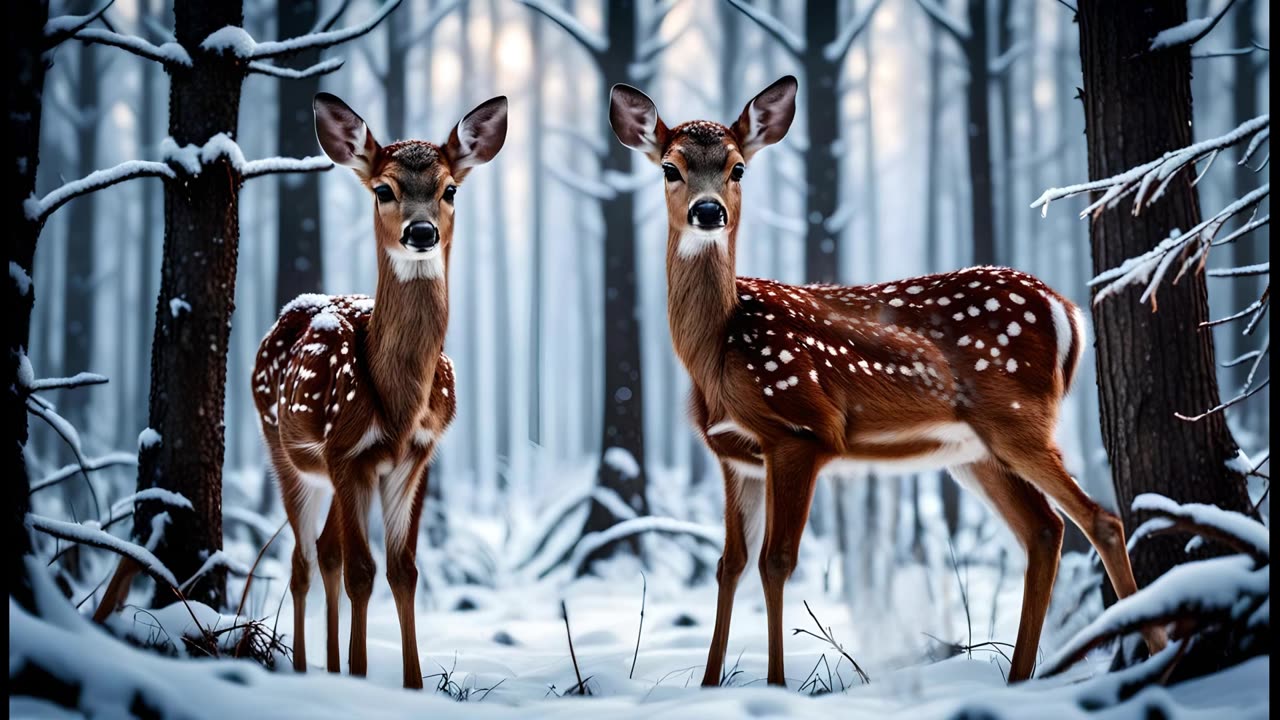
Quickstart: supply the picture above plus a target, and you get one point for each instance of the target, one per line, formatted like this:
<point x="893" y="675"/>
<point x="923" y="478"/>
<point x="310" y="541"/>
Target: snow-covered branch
<point x="64" y="383"/>
<point x="954" y="27"/>
<point x="837" y="49"/>
<point x="94" y="537"/>
<point x="321" y="68"/>
<point x="1189" y="32"/>
<point x="62" y="28"/>
<point x="1157" y="173"/>
<point x="773" y="26"/>
<point x="170" y="53"/>
<point x="218" y="559"/>
<point x="593" y="42"/>
<point x="38" y="210"/>
<point x="157" y="495"/>
<point x="1001" y="64"/>
<point x="311" y="41"/>
<point x="90" y="464"/>
<point x="639" y="526"/>
<point x="276" y="165"/>
<point x="420" y="33"/>
<point x="1236" y="531"/>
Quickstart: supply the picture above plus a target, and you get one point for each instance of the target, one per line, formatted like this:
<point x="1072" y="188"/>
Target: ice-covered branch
<point x="64" y="383"/>
<point x="837" y="49"/>
<point x="168" y="54"/>
<point x="1157" y="173"/>
<point x="64" y="27"/>
<point x="94" y="537"/>
<point x="276" y="165"/>
<point x="954" y="27"/>
<point x="1189" y="32"/>
<point x="321" y="68"/>
<point x="773" y="26"/>
<point x="310" y="41"/>
<point x="420" y="33"/>
<point x="593" y="42"/>
<point x="39" y="210"/>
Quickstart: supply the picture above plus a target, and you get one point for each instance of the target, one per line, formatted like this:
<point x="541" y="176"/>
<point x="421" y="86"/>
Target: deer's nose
<point x="420" y="236"/>
<point x="707" y="215"/>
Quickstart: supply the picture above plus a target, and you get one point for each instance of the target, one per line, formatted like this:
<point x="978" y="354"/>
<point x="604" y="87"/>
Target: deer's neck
<point x="701" y="299"/>
<point x="406" y="336"/>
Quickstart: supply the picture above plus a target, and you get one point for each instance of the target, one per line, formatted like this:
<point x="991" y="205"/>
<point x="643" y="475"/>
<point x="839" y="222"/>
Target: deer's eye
<point x="385" y="193"/>
<point x="736" y="173"/>
<point x="449" y="193"/>
<point x="672" y="172"/>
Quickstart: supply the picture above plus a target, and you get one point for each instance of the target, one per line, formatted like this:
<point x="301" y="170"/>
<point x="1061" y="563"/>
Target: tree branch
<point x="774" y="27"/>
<point x="326" y="23"/>
<point x="65" y="383"/>
<point x="594" y="43"/>
<point x="321" y="68"/>
<point x="169" y="53"/>
<point x="321" y="40"/>
<point x="438" y="14"/>
<point x="1177" y="36"/>
<point x="39" y="210"/>
<point x="61" y="29"/>
<point x="836" y="51"/>
<point x="951" y="26"/>
<point x="76" y="533"/>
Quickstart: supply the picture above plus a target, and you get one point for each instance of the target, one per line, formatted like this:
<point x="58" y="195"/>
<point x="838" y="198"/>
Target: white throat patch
<point x="408" y="266"/>
<point x="695" y="242"/>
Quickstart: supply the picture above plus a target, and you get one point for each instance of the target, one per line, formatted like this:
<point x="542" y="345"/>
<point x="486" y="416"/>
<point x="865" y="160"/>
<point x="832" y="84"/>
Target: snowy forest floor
<point x="509" y="658"/>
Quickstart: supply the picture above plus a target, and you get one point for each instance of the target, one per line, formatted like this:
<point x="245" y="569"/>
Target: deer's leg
<point x="792" y="467"/>
<point x="402" y="493"/>
<point x="1039" y="529"/>
<point x="302" y="503"/>
<point x="743" y="501"/>
<point x="329" y="554"/>
<point x="354" y="490"/>
<point x="1042" y="466"/>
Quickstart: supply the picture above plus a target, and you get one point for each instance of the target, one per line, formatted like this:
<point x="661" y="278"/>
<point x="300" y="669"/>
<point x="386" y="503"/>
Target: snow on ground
<point x="515" y="644"/>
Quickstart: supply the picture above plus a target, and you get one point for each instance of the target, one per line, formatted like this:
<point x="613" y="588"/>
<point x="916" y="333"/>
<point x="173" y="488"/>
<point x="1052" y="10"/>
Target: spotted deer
<point x="353" y="393"/>
<point x="964" y="370"/>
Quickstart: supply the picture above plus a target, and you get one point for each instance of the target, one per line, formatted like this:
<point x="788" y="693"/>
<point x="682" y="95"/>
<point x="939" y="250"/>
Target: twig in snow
<point x="581" y="687"/>
<point x="253" y="568"/>
<point x="644" y="594"/>
<point x="824" y="634"/>
<point x="69" y="436"/>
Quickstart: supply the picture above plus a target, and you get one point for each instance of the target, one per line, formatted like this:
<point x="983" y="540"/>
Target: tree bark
<point x="981" y="195"/>
<point x="821" y="90"/>
<point x="189" y="348"/>
<point x="23" y="34"/>
<point x="623" y="396"/>
<point x="1150" y="364"/>
<point x="299" y="253"/>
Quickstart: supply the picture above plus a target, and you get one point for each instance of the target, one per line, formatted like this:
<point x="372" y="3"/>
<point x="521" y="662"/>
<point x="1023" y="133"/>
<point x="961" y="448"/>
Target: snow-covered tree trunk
<point x="184" y="453"/>
<point x="24" y="46"/>
<point x="623" y="397"/>
<point x="1151" y="365"/>
<point x="299" y="256"/>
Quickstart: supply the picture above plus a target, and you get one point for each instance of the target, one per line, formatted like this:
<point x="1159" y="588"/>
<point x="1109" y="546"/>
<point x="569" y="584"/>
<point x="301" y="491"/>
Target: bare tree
<point x="821" y="54"/>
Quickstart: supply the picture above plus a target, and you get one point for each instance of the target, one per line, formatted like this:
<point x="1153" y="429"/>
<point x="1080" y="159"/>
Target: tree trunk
<point x="821" y="89"/>
<point x="623" y="396"/>
<point x="979" y="132"/>
<point x="1150" y="364"/>
<point x="1007" y="247"/>
<point x="24" y="34"/>
<point x="299" y="252"/>
<point x="395" y="93"/>
<point x="189" y="355"/>
<point x="78" y="283"/>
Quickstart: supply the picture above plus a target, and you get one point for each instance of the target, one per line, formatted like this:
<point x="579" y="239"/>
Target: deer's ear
<point x="478" y="137"/>
<point x="635" y="121"/>
<point x="766" y="119"/>
<point x="343" y="135"/>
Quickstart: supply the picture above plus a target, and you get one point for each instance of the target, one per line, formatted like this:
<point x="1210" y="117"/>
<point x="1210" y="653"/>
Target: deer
<point x="962" y="370"/>
<point x="354" y="393"/>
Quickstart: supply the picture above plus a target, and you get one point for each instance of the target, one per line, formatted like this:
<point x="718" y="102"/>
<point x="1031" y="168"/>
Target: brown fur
<point x="788" y="378"/>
